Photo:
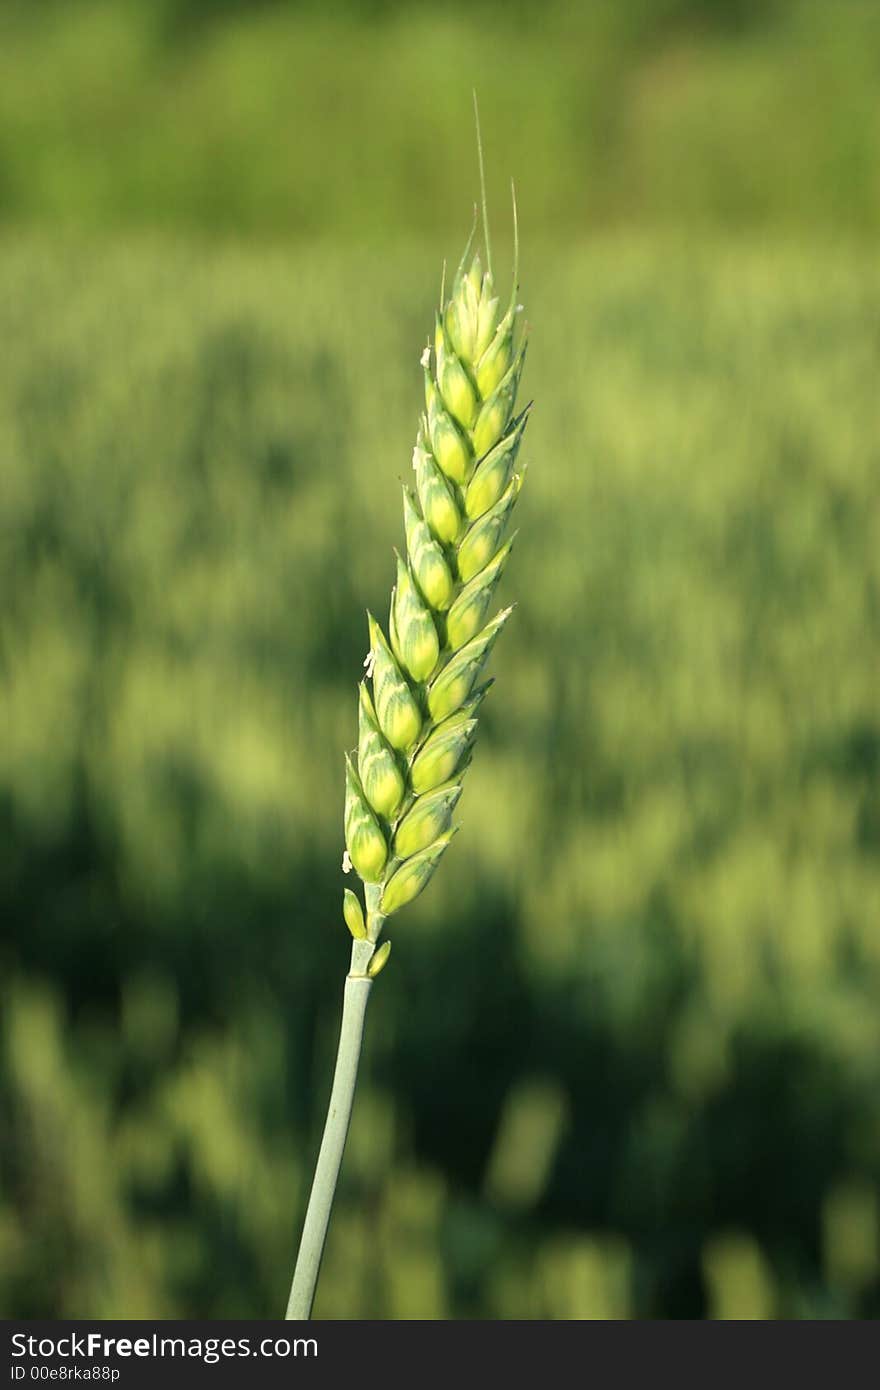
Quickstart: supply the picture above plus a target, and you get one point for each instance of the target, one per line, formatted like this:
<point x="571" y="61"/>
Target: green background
<point x="625" y="1060"/>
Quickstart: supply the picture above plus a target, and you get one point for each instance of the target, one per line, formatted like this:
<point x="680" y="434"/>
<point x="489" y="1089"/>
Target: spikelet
<point x="416" y="732"/>
<point x="413" y="634"/>
<point x="481" y="541"/>
<point x="465" y="617"/>
<point x="365" y="842"/>
<point x="354" y="915"/>
<point x="443" y="755"/>
<point x="413" y="875"/>
<point x="429" y="817"/>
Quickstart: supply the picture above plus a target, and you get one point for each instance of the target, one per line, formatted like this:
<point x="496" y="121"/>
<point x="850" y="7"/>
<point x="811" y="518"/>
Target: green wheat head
<point x="418" y="706"/>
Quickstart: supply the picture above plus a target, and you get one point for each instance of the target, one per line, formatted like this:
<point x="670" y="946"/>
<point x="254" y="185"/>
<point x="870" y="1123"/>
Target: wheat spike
<point x="417" y="728"/>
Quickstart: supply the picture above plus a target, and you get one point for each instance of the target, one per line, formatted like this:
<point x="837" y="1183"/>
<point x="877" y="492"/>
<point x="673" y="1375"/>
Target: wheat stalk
<point x="417" y="718"/>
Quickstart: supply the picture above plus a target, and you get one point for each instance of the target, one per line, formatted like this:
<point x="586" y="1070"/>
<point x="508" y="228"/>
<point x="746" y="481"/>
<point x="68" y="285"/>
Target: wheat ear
<point x="417" y="717"/>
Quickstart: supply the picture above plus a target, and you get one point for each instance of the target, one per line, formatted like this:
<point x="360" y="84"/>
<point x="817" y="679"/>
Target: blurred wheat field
<point x="627" y="1058"/>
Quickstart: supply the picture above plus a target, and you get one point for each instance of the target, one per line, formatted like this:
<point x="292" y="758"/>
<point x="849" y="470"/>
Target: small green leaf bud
<point x="466" y="616"/>
<point x="427" y="561"/>
<point x="413" y="876"/>
<point x="364" y="840"/>
<point x="380" y="775"/>
<point x="428" y="817"/>
<point x="415" y="636"/>
<point x="354" y="915"/>
<point x="398" y="714"/>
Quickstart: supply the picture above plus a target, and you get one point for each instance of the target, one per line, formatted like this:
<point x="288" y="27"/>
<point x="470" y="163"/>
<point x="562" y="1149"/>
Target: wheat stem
<point x="356" y="994"/>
